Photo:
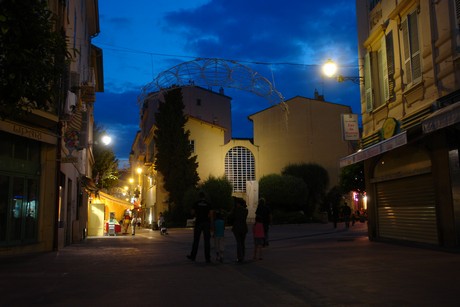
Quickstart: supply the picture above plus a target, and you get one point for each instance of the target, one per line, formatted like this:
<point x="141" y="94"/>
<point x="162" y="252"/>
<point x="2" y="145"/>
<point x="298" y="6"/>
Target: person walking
<point x="219" y="233"/>
<point x="259" y="236"/>
<point x="240" y="228"/>
<point x="202" y="211"/>
<point x="162" y="224"/>
<point x="134" y="222"/>
<point x="263" y="210"/>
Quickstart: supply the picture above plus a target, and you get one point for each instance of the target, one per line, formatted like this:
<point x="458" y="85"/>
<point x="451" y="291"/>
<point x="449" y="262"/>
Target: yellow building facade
<point x="409" y="53"/>
<point x="301" y="130"/>
<point x="307" y="131"/>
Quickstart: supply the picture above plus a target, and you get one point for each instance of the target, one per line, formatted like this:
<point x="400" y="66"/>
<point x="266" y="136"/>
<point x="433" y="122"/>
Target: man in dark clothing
<point x="346" y="211"/>
<point x="202" y="212"/>
<point x="240" y="227"/>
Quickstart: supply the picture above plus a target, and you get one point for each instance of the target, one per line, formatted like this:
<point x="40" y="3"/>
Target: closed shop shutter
<point x="407" y="210"/>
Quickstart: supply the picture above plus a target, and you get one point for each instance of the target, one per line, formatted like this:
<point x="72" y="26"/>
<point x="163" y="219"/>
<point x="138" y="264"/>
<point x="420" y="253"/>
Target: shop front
<point x="413" y="184"/>
<point x="104" y="210"/>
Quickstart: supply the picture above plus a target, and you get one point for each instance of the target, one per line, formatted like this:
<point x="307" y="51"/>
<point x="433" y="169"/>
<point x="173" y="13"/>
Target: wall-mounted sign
<point x="389" y="128"/>
<point x="350" y="128"/>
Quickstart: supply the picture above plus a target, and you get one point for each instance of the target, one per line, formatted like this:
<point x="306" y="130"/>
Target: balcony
<point x="88" y="93"/>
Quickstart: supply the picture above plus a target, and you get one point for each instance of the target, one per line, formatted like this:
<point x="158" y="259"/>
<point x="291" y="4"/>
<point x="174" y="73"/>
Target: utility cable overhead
<point x="130" y="50"/>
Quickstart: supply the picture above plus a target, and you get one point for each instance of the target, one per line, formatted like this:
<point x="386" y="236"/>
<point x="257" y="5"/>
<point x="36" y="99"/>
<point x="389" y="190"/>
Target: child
<point x="126" y="222"/>
<point x="219" y="230"/>
<point x="259" y="237"/>
<point x="162" y="224"/>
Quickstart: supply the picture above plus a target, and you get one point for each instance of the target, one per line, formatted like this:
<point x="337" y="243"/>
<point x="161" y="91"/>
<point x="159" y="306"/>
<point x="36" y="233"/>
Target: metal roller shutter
<point x="406" y="209"/>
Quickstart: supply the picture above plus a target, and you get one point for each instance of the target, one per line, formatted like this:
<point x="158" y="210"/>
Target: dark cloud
<point x="264" y="30"/>
<point x="285" y="42"/>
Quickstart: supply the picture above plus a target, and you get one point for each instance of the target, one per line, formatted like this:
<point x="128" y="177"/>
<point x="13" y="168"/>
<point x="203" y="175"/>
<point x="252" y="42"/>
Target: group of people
<point x="207" y="221"/>
<point x="130" y="219"/>
<point x="347" y="215"/>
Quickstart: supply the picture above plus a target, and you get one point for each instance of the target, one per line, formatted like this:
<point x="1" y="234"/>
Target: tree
<point x="316" y="178"/>
<point x="33" y="58"/>
<point x="173" y="157"/>
<point x="283" y="192"/>
<point x="352" y="178"/>
<point x="105" y="168"/>
<point x="332" y="199"/>
<point x="218" y="192"/>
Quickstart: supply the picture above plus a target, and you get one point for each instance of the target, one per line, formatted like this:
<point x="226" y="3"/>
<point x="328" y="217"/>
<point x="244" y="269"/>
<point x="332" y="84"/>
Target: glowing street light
<point x="330" y="70"/>
<point x="106" y="140"/>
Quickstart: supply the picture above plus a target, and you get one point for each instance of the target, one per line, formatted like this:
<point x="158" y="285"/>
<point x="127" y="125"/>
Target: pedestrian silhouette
<point x="201" y="210"/>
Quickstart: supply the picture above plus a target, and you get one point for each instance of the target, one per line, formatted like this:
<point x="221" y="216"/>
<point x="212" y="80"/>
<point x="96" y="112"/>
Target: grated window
<point x="239" y="167"/>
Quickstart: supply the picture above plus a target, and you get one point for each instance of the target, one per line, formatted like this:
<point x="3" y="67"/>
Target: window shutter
<point x="368" y="82"/>
<point x="390" y="65"/>
<point x="383" y="48"/>
<point x="407" y="68"/>
<point x="457" y="12"/>
<point x="415" y="47"/>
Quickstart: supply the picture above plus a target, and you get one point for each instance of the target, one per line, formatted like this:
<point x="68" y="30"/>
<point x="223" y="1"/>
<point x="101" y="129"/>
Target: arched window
<point x="239" y="167"/>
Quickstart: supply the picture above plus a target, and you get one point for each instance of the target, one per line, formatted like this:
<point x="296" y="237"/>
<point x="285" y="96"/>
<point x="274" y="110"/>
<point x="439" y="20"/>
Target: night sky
<point x="284" y="41"/>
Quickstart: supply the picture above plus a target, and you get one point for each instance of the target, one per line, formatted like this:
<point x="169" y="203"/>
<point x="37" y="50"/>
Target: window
<point x="379" y="74"/>
<point x="19" y="188"/>
<point x="373" y="3"/>
<point x="411" y="54"/>
<point x="198" y="102"/>
<point x="18" y="196"/>
<point x="239" y="167"/>
<point x="192" y="146"/>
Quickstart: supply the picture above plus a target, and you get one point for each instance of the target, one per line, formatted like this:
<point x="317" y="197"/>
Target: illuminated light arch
<point x="212" y="72"/>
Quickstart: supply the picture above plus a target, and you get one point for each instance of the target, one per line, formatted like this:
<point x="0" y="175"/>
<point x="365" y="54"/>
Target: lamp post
<point x="330" y="70"/>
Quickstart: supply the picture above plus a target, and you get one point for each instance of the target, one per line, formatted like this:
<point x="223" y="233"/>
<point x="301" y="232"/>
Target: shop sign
<point x="350" y="128"/>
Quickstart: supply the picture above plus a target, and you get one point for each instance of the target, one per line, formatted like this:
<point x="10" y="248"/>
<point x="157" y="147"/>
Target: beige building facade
<point x="410" y="59"/>
<point x="300" y="131"/>
<point x="46" y="155"/>
<point x="307" y="131"/>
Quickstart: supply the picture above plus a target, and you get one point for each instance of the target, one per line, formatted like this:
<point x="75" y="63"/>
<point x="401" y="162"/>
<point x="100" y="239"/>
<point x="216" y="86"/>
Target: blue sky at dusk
<point x="284" y="41"/>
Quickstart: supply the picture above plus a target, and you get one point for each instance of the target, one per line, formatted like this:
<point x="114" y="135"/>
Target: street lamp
<point x="330" y="70"/>
<point x="106" y="139"/>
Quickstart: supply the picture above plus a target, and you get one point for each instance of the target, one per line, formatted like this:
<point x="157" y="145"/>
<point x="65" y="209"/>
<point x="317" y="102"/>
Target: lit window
<point x="239" y="167"/>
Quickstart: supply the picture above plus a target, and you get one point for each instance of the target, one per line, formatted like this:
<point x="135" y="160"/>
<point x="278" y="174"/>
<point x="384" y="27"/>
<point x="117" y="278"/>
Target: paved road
<point x="305" y="265"/>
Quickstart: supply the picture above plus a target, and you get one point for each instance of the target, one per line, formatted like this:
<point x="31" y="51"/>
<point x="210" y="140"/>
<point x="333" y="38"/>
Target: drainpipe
<point x="57" y="185"/>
